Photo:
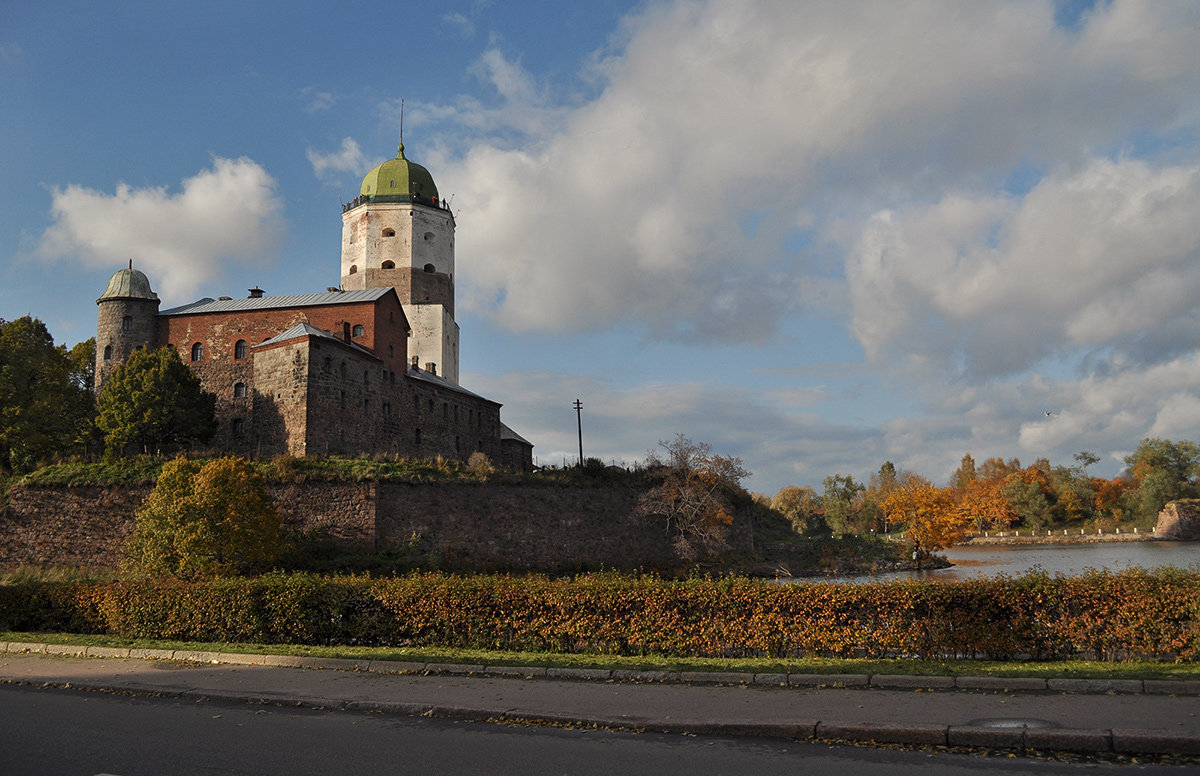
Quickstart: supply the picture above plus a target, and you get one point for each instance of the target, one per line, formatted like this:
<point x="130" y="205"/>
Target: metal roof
<point x="508" y="433"/>
<point x="441" y="382"/>
<point x="307" y="330"/>
<point x="210" y="305"/>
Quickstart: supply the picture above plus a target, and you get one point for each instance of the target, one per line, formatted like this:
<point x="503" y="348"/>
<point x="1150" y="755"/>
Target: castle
<point x="352" y="370"/>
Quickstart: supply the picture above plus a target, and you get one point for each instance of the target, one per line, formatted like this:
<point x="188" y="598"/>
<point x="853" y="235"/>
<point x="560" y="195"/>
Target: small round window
<point x="430" y="268"/>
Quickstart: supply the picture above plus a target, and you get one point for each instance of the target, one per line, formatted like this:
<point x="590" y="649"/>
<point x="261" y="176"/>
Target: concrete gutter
<point x="709" y="707"/>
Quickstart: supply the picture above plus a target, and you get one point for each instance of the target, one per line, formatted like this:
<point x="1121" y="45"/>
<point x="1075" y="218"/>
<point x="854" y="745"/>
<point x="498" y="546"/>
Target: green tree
<point x="1028" y="501"/>
<point x="802" y="508"/>
<point x="1164" y="471"/>
<point x="45" y="404"/>
<point x="154" y="401"/>
<point x="205" y="520"/>
<point x="841" y="501"/>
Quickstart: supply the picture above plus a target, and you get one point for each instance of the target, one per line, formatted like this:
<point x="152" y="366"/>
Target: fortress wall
<point x="488" y="525"/>
<point x="473" y="525"/>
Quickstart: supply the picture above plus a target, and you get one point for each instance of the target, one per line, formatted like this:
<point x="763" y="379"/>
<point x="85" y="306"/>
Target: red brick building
<point x="331" y="373"/>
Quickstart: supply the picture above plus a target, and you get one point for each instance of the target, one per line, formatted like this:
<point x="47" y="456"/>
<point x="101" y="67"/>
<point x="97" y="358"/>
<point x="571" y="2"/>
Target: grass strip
<point x="1067" y="669"/>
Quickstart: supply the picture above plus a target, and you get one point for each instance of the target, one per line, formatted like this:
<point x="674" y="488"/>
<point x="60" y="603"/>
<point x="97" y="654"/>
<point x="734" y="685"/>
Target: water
<point x="1065" y="559"/>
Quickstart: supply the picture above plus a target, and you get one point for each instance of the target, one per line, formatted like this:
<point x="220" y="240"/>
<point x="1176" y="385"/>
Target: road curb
<point x="879" y="681"/>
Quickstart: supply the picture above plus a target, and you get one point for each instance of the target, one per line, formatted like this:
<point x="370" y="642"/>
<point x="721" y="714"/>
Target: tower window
<point x="353" y="269"/>
<point x="198" y="351"/>
<point x="389" y="232"/>
<point x="108" y="352"/>
<point x="429" y="237"/>
<point x="127" y="323"/>
<point x="358" y="330"/>
<point x="388" y="264"/>
<point x="430" y="268"/>
<point x="239" y="390"/>
<point x="240" y="349"/>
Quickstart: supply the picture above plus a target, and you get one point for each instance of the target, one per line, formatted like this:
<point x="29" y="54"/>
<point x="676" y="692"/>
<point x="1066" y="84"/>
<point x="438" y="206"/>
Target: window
<point x="240" y="349"/>
<point x="127" y="323"/>
<point x="387" y="410"/>
<point x="359" y="330"/>
<point x="388" y="265"/>
<point x="239" y="390"/>
<point x="391" y="351"/>
<point x="342" y="369"/>
<point x="239" y="427"/>
<point x="342" y="400"/>
<point x="198" y="351"/>
<point x="108" y="352"/>
<point x="353" y="269"/>
<point x="328" y="363"/>
<point x="417" y="435"/>
<point x="389" y="232"/>
<point x="430" y="268"/>
<point x="429" y="237"/>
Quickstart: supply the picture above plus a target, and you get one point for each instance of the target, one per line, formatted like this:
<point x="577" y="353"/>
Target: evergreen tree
<point x="154" y="402"/>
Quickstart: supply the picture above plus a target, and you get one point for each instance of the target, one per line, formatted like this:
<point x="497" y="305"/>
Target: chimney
<point x="416" y="362"/>
<point x="431" y="367"/>
<point x="256" y="293"/>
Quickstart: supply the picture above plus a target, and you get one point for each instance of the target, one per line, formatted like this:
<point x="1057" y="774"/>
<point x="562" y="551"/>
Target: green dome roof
<point x="399" y="178"/>
<point x="128" y="284"/>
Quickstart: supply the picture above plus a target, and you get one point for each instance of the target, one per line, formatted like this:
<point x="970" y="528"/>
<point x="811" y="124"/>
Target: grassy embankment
<point x="1071" y="669"/>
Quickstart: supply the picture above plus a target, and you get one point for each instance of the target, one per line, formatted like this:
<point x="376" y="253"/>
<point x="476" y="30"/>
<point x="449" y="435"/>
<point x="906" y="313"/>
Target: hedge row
<point x="1106" y="616"/>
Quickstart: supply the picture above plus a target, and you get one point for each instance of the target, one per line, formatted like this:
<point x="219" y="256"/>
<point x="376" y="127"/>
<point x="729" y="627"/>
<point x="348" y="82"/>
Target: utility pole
<point x="579" y="422"/>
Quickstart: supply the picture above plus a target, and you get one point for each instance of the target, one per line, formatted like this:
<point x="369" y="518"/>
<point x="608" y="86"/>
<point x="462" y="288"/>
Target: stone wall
<point x="1179" y="520"/>
<point x="468" y="524"/>
<point x="83" y="526"/>
<point x="484" y="525"/>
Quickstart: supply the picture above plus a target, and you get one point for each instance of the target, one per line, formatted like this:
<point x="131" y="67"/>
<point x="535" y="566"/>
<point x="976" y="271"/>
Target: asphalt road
<point x="55" y="731"/>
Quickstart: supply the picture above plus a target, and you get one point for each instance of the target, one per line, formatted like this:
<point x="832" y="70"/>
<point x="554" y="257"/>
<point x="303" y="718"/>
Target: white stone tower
<point x="399" y="233"/>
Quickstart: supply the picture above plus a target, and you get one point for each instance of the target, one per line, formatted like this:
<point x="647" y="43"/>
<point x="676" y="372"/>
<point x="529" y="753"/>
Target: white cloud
<point x="348" y="159"/>
<point x="1087" y="258"/>
<point x="224" y="216"/>
<point x="632" y="207"/>
<point x="317" y="101"/>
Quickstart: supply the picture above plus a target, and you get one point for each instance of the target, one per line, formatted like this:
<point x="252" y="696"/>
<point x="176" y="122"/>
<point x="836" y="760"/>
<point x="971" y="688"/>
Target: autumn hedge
<point x="1133" y="614"/>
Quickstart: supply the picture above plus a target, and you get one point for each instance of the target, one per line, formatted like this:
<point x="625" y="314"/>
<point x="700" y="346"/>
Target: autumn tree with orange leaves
<point x="929" y="515"/>
<point x="695" y="498"/>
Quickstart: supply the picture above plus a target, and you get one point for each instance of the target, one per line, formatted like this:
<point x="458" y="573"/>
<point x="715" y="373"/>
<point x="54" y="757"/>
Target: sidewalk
<point x="1022" y="714"/>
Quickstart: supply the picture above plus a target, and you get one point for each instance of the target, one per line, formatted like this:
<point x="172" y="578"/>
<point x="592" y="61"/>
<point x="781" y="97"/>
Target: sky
<point x="815" y="235"/>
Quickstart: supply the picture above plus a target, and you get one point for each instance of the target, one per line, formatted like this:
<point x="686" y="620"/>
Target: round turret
<point x="127" y="320"/>
<point x="399" y="180"/>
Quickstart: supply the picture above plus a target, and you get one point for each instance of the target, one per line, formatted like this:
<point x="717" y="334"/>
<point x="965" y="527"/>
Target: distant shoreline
<point x="1059" y="538"/>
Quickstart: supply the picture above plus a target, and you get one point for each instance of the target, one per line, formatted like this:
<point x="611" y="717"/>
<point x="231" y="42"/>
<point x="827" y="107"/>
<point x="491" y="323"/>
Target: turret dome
<point x="128" y="283"/>
<point x="399" y="180"/>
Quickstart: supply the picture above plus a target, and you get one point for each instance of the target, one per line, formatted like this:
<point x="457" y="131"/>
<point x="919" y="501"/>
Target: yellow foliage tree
<point x="929" y="515"/>
<point x="205" y="520"/>
<point x="983" y="503"/>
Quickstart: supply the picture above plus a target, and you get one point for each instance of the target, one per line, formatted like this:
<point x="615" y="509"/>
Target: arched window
<point x="353" y="269"/>
<point x="108" y="352"/>
<point x="240" y="349"/>
<point x="198" y="351"/>
<point x="388" y="265"/>
<point x="391" y="351"/>
<point x="328" y="363"/>
<point x="429" y="237"/>
<point x="389" y="232"/>
<point x="430" y="268"/>
<point x="239" y="390"/>
<point x="127" y="323"/>
<point x="358" y="330"/>
<point x="343" y="370"/>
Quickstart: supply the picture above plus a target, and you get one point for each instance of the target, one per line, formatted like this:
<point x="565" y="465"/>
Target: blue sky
<point x="815" y="235"/>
